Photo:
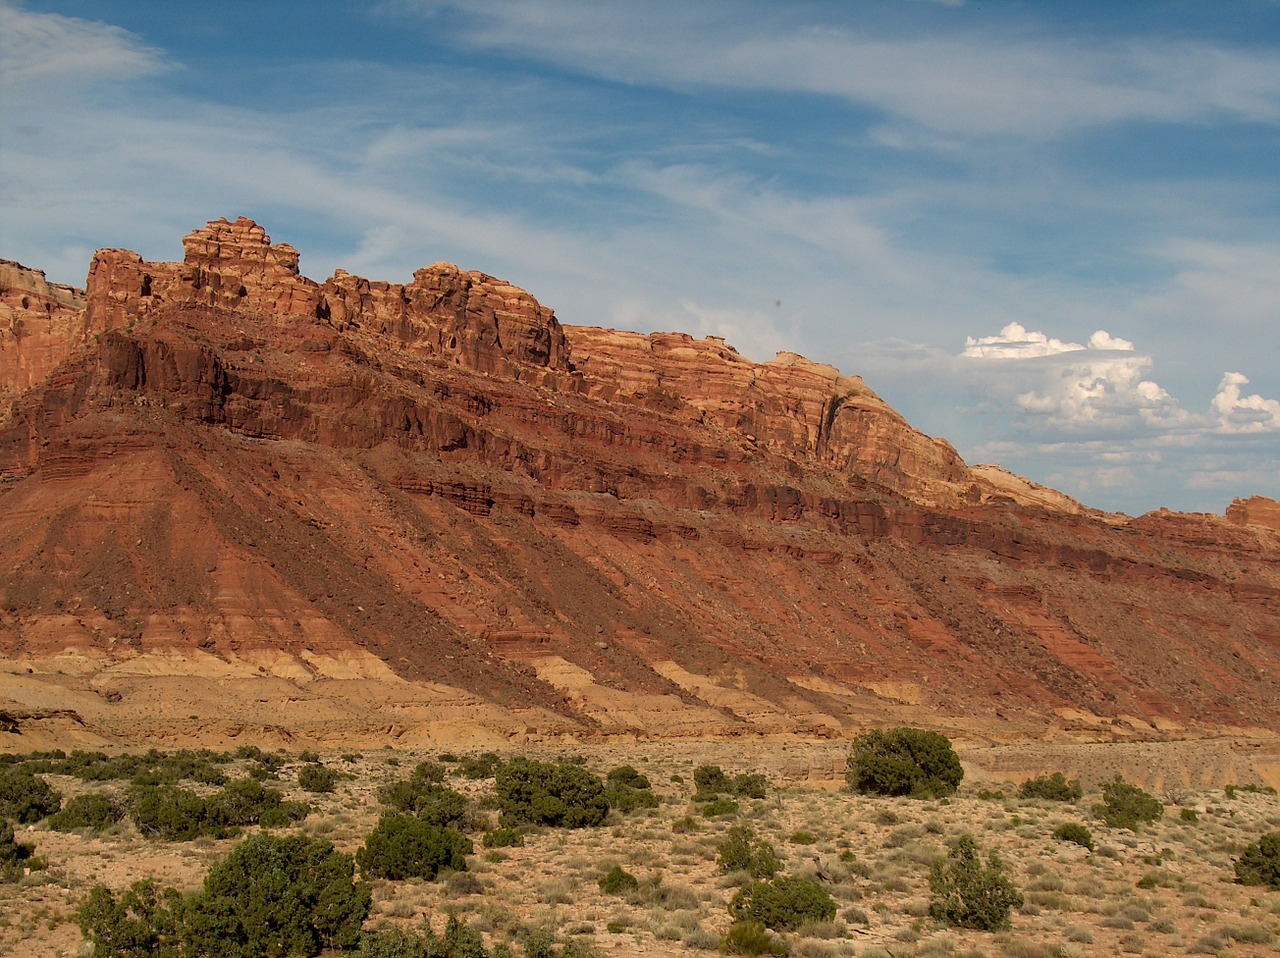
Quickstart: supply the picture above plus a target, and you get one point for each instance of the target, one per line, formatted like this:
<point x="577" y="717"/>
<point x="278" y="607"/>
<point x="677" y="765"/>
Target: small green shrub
<point x="246" y="801"/>
<point x="710" y="781"/>
<point x="317" y="778"/>
<point x="403" y="846"/>
<point x="458" y="941"/>
<point x="94" y="810"/>
<point x="15" y="856"/>
<point x="783" y="903"/>
<point x="484" y="765"/>
<point x="25" y="797"/>
<point x="1188" y="815"/>
<point x="720" y="806"/>
<point x="629" y="776"/>
<point x="1054" y="788"/>
<point x="502" y="838"/>
<point x="904" y="761"/>
<point x="1075" y="833"/>
<point x="1127" y="806"/>
<point x="618" y="882"/>
<point x="802" y="837"/>
<point x="741" y="850"/>
<point x="967" y="894"/>
<point x="145" y="921"/>
<point x="750" y="785"/>
<point x="1259" y="864"/>
<point x="562" y="795"/>
<point x="751" y="938"/>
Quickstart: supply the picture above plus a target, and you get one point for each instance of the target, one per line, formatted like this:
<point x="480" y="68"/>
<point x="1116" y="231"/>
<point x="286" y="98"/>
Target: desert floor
<point x="1165" y="889"/>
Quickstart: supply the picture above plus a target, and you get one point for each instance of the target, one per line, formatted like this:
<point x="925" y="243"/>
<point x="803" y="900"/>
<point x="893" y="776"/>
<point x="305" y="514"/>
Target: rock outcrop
<point x="417" y="502"/>
<point x="467" y="318"/>
<point x="40" y="324"/>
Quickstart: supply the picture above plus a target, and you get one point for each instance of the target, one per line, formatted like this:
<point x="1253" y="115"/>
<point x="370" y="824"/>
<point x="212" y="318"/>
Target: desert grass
<point x="1166" y="889"/>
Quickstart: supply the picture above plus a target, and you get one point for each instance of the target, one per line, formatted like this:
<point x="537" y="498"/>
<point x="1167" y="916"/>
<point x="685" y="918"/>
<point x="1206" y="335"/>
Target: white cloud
<point x="1070" y="387"/>
<point x="1015" y="341"/>
<point x="1244" y="414"/>
<point x="52" y="49"/>
<point x="979" y="83"/>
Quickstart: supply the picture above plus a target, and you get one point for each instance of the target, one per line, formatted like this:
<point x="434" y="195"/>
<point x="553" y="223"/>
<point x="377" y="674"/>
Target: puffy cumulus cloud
<point x="1015" y="341"/>
<point x="1238" y="413"/>
<point x="1068" y="386"/>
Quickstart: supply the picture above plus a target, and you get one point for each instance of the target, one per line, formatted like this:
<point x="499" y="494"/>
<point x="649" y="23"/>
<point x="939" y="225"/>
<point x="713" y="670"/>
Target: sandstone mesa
<point x="238" y="504"/>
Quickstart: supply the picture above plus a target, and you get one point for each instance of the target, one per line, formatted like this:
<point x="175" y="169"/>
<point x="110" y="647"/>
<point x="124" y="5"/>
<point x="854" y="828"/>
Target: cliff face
<point x="403" y="506"/>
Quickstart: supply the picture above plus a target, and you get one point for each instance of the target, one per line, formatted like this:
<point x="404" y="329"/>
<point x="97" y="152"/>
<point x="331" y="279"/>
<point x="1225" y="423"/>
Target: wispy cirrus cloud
<point x="976" y="82"/>
<point x="52" y="49"/>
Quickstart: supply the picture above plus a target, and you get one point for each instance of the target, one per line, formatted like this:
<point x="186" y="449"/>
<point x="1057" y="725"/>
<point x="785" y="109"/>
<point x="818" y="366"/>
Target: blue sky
<point x="1048" y="232"/>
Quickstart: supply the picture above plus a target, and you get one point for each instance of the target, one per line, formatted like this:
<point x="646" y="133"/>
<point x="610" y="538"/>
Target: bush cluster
<point x="967" y="894"/>
<point x="1127" y="806"/>
<point x="458" y="941"/>
<point x="26" y="797"/>
<point x="904" y="761"/>
<point x="502" y="838"/>
<point x="314" y="777"/>
<point x="742" y="851"/>
<point x="562" y="795"/>
<point x="484" y="765"/>
<point x="273" y="895"/>
<point x="423" y="795"/>
<point x="627" y="789"/>
<point x="178" y="814"/>
<point x="95" y="810"/>
<point x="405" y="846"/>
<point x="1259" y="864"/>
<point x="1054" y="788"/>
<point x="710" y="782"/>
<point x="783" y="903"/>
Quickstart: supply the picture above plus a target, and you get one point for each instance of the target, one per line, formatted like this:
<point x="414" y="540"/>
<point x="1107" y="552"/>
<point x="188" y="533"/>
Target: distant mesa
<point x="237" y="504"/>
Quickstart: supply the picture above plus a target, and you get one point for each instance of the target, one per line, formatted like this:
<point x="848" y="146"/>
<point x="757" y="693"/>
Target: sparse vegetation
<point x="314" y="777"/>
<point x="752" y="938"/>
<point x="664" y="878"/>
<point x="742" y="850"/>
<point x="15" y="856"/>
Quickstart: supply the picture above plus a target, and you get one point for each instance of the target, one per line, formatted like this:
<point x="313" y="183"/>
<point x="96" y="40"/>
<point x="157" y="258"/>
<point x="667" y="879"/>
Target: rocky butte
<point x="239" y="504"/>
